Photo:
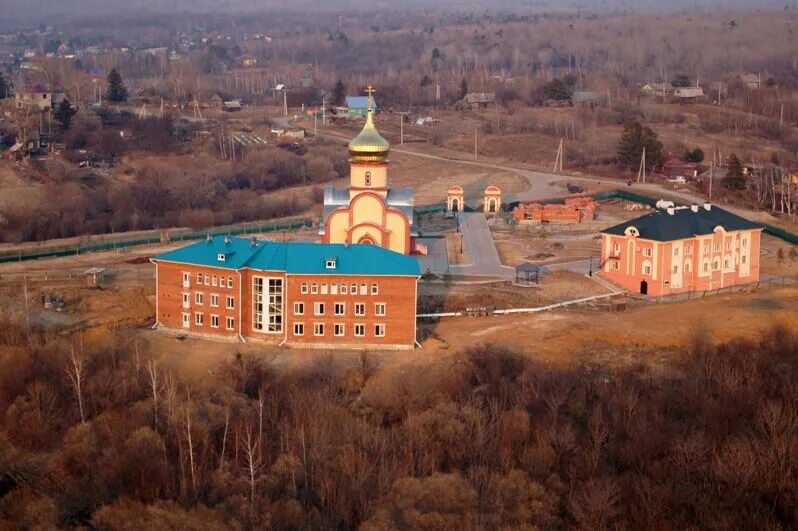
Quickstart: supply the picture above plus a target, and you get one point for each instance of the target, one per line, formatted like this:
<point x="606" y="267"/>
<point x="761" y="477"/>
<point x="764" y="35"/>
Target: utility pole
<point x="476" y="128"/>
<point x="642" y="171"/>
<point x="711" y="176"/>
<point x="558" y="161"/>
<point x="285" y="102"/>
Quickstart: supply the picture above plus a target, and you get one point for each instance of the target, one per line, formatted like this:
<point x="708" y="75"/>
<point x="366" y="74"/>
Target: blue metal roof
<point x="359" y="102"/>
<point x="294" y="258"/>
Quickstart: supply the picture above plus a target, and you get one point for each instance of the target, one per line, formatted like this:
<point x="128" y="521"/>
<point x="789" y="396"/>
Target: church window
<point x="368" y="178"/>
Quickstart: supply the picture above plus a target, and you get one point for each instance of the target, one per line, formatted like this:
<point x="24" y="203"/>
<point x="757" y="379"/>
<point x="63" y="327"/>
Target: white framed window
<point x="360" y="308"/>
<point x="687" y="267"/>
<point x="676" y="251"/>
<point x="268" y="305"/>
<point x="214" y="300"/>
<point x="615" y="265"/>
<point x="675" y="269"/>
<point x="339" y="308"/>
<point x="198" y="319"/>
<point x="647" y="252"/>
<point x="616" y="248"/>
<point x="375" y="290"/>
<point x="353" y="289"/>
<point x="706" y="267"/>
<point x="715" y="265"/>
<point x="299" y="329"/>
<point x="186" y="320"/>
<point x="230" y="323"/>
<point x="304" y="288"/>
<point x="338" y="329"/>
<point x="198" y="298"/>
<point x="299" y="308"/>
<point x="706" y="248"/>
<point x="231" y="302"/>
<point x="364" y="289"/>
<point x="207" y="279"/>
<point x="745" y="243"/>
<point x="716" y="247"/>
<point x="230" y="282"/>
<point x="199" y="278"/>
<point x="314" y="288"/>
<point x="726" y="264"/>
<point x="379" y="330"/>
<point x="360" y="330"/>
<point x="379" y="308"/>
<point x="318" y="329"/>
<point x="742" y="258"/>
<point x="318" y="308"/>
<point x="688" y="250"/>
<point x="344" y="289"/>
<point x="324" y="288"/>
<point x="186" y="279"/>
<point x="215" y="281"/>
<point x="186" y="300"/>
<point x="646" y="269"/>
<point x="333" y="289"/>
<point x="214" y="321"/>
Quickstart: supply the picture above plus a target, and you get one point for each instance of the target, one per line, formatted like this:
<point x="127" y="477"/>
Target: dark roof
<point x="683" y="223"/>
<point x="526" y="267"/>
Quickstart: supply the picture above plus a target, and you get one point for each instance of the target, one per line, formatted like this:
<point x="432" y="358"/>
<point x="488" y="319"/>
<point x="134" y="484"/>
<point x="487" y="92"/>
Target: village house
<point x="358" y="106"/>
<point x="688" y="94"/>
<point x="681" y="249"/>
<point x="293" y="294"/>
<point x="575" y="210"/>
<point x="658" y="89"/>
<point x="36" y="98"/>
<point x="476" y="100"/>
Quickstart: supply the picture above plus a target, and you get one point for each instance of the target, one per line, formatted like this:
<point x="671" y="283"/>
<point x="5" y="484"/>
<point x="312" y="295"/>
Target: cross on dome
<point x="370" y="91"/>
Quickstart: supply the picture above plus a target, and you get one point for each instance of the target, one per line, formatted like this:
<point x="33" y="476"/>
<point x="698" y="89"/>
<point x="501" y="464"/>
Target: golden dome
<point x="368" y="145"/>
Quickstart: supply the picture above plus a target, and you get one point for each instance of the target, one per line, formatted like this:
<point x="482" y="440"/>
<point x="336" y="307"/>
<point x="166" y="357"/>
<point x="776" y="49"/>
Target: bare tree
<point x="253" y="461"/>
<point x="77" y="375"/>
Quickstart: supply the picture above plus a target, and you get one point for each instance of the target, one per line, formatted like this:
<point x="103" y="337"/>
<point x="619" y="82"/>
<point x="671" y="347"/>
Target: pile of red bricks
<point x="575" y="210"/>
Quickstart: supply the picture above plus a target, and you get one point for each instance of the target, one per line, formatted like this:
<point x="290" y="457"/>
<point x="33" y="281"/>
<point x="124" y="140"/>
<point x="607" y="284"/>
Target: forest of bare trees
<point x="94" y="429"/>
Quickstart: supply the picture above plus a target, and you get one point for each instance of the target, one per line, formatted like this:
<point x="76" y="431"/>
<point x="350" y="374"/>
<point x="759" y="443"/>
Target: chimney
<point x="707" y="206"/>
<point x="670" y="211"/>
<point x="694" y="208"/>
<point x="208" y="238"/>
<point x="253" y="242"/>
<point x="228" y="240"/>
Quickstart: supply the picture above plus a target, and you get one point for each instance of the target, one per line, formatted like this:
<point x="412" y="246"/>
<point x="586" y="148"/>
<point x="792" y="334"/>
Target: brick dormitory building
<point x="681" y="249"/>
<point x="296" y="294"/>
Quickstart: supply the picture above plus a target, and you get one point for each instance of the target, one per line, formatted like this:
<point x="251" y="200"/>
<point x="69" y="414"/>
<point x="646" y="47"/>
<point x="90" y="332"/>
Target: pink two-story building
<point x="681" y="249"/>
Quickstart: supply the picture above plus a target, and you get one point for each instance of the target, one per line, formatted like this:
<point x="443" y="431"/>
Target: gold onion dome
<point x="369" y="146"/>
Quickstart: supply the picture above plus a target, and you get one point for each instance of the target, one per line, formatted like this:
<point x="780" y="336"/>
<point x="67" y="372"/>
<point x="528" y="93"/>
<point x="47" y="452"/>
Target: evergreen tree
<point x="634" y="138"/>
<point x="5" y="87"/>
<point x="463" y="89"/>
<point x="64" y="113"/>
<point x="338" y="95"/>
<point x="734" y="179"/>
<point x="116" y="87"/>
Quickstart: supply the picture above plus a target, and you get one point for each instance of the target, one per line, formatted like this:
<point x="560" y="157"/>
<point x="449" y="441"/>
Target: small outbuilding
<point x="527" y="274"/>
<point x="94" y="276"/>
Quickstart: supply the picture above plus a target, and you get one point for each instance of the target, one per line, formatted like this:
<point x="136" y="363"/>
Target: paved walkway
<point x="478" y="241"/>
